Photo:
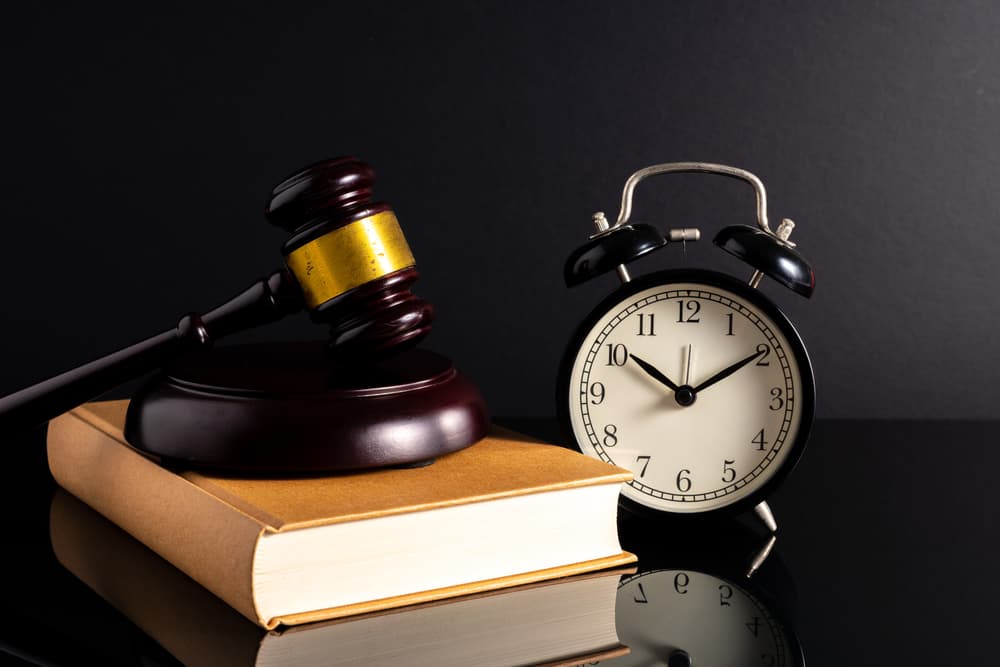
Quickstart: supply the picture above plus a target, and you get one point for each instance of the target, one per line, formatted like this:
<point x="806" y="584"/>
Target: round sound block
<point x="287" y="408"/>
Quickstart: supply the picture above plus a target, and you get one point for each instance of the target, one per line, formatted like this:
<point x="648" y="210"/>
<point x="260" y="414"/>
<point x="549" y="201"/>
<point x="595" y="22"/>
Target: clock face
<point x="687" y="617"/>
<point x="696" y="383"/>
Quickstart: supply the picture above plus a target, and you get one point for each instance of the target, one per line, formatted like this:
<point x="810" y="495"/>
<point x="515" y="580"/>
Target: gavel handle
<point x="265" y="301"/>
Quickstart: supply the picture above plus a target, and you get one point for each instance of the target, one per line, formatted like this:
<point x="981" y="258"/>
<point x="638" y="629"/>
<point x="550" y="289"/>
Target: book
<point x="504" y="512"/>
<point x="565" y="621"/>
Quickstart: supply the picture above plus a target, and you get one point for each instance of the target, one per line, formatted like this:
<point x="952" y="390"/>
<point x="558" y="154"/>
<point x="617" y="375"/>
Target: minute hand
<point x="726" y="372"/>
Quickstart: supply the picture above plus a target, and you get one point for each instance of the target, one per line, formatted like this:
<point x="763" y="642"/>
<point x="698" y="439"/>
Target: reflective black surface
<point x="887" y="545"/>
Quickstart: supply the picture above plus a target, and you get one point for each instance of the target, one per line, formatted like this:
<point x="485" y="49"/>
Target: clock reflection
<point x="716" y="596"/>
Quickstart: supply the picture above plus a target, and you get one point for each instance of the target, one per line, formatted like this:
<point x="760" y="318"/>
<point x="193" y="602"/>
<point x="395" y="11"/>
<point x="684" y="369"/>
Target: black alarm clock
<point x="692" y="379"/>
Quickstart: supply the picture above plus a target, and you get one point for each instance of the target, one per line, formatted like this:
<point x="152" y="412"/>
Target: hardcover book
<point x="506" y="511"/>
<point x="565" y="621"/>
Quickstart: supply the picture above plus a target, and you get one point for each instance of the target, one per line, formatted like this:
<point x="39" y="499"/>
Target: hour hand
<point x="653" y="372"/>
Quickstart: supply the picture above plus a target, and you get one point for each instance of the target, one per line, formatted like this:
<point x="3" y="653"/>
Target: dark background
<point x="140" y="142"/>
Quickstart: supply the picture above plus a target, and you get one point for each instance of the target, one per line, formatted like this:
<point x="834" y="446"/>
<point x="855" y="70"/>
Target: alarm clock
<point x="692" y="379"/>
<point x="718" y="598"/>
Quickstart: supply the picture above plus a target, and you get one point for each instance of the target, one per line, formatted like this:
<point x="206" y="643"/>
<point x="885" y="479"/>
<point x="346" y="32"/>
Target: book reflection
<point x="560" y="622"/>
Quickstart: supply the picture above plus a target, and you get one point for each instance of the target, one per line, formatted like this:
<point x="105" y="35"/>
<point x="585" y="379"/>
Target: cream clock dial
<point x="696" y="383"/>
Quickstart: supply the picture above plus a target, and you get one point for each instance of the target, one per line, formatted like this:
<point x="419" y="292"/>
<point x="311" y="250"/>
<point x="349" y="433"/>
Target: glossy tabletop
<point x="887" y="541"/>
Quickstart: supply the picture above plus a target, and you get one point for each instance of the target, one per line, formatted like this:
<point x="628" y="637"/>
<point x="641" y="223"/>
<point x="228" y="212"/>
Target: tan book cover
<point x="567" y="621"/>
<point x="209" y="526"/>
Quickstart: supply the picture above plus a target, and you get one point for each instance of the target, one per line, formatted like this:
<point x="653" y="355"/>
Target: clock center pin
<point x="685" y="396"/>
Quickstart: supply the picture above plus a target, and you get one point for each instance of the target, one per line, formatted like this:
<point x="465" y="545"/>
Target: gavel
<point x="347" y="263"/>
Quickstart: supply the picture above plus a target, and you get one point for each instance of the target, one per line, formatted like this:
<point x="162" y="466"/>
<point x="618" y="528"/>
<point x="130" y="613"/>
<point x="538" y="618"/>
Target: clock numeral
<point x="617" y="354"/>
<point x="759" y="440"/>
<point x="725" y="593"/>
<point x="643" y="320"/>
<point x="597" y="393"/>
<point x="754" y="626"/>
<point x="728" y="472"/>
<point x="642" y="473"/>
<point x="681" y="581"/>
<point x="766" y="349"/>
<point x="641" y="598"/>
<point x="610" y="435"/>
<point x="687" y="311"/>
<point x="683" y="481"/>
<point x="729" y="332"/>
<point x="777" y="400"/>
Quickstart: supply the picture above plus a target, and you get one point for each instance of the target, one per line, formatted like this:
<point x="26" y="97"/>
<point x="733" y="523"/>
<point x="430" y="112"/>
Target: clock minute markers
<point x="714" y="437"/>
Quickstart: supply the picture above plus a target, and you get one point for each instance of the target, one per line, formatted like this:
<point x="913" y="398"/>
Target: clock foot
<point x="763" y="513"/>
<point x="679" y="658"/>
<point x="761" y="556"/>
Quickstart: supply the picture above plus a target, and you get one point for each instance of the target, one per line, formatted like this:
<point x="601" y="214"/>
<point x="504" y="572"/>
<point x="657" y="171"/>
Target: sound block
<point x="283" y="408"/>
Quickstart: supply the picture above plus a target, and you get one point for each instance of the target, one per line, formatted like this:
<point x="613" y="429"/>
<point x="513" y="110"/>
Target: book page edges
<point x="624" y="558"/>
<point x="207" y="539"/>
<point x="614" y="571"/>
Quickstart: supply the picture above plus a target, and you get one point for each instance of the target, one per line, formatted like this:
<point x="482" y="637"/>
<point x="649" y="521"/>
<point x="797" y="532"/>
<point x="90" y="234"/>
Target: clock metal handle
<point x="694" y="167"/>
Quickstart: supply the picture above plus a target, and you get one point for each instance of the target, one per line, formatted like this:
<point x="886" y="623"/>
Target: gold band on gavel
<point x="350" y="256"/>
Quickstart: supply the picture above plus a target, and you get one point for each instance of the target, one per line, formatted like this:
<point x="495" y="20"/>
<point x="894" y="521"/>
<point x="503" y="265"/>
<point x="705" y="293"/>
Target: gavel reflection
<point x="347" y="263"/>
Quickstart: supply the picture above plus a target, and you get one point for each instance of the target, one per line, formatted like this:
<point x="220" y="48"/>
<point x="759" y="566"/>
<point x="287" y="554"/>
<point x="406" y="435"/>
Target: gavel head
<point x="350" y="259"/>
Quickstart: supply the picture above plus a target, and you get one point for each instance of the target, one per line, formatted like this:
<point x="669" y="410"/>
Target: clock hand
<point x="726" y="372"/>
<point x="654" y="372"/>
<point x="687" y="366"/>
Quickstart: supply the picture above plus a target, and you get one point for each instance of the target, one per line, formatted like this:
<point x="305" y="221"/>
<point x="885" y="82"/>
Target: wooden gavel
<point x="347" y="263"/>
